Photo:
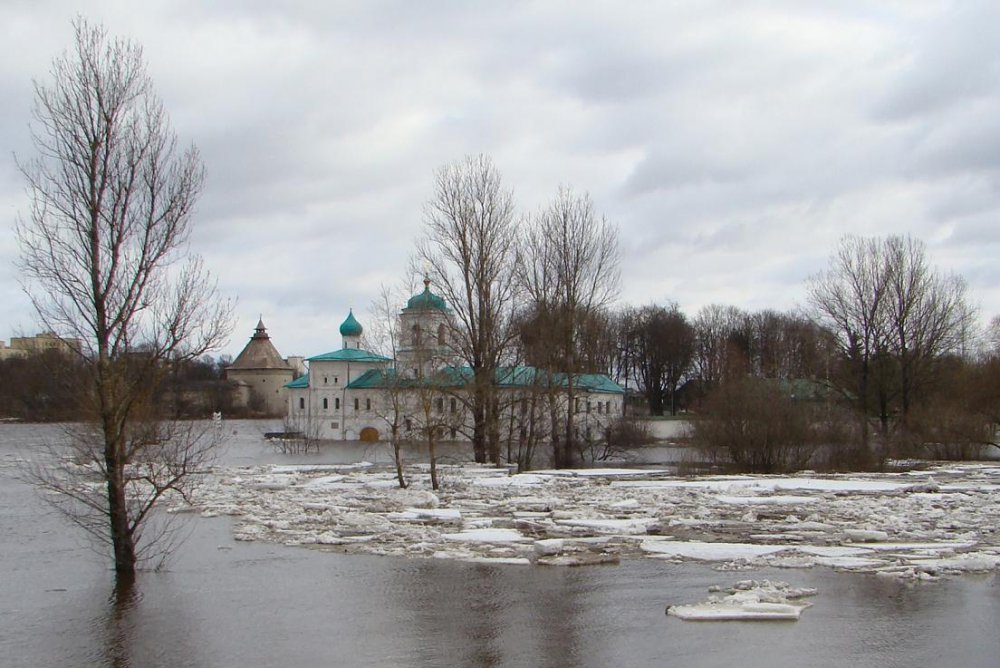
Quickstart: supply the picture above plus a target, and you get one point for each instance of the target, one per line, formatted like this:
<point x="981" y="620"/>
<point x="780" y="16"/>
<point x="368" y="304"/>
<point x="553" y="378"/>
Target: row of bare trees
<point x="881" y="333"/>
<point x="523" y="289"/>
<point x="672" y="360"/>
<point x="887" y="345"/>
<point x="896" y="322"/>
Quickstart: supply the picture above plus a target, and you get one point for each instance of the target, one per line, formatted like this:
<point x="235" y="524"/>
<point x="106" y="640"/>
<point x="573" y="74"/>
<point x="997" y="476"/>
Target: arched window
<point x="441" y="335"/>
<point x="416" y="334"/>
<point x="302" y="403"/>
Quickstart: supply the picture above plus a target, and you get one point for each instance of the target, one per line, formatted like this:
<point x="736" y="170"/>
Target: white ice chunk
<point x="865" y="535"/>
<point x="435" y="513"/>
<point x="319" y="483"/>
<point x="709" y="551"/>
<point x="511" y="481"/>
<point x="637" y="525"/>
<point x="762" y="601"/>
<point x="549" y="546"/>
<point x="777" y="499"/>
<point x="601" y="472"/>
<point x="486" y="536"/>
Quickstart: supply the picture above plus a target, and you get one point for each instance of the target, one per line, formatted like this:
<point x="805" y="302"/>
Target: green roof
<point x="509" y="377"/>
<point x="349" y="355"/>
<point x="350" y="326"/>
<point x="426" y="301"/>
<point x="301" y="382"/>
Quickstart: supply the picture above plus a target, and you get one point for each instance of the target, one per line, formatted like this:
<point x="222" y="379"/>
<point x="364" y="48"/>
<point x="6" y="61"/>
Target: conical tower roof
<point x="259" y="352"/>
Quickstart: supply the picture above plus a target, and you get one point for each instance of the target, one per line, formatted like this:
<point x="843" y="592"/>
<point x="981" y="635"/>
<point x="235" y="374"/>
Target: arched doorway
<point x="369" y="435"/>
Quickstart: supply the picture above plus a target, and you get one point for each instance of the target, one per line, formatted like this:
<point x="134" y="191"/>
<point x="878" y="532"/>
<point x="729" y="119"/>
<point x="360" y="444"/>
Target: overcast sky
<point x="733" y="143"/>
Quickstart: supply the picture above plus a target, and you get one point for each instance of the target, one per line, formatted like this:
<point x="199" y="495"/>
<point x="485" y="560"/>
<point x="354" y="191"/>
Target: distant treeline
<point x="46" y="388"/>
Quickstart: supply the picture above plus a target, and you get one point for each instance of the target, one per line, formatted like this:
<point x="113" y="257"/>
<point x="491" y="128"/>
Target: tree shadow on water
<point x="120" y="622"/>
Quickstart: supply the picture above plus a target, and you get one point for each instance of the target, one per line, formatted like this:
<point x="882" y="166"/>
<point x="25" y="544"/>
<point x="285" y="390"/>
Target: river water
<point x="223" y="603"/>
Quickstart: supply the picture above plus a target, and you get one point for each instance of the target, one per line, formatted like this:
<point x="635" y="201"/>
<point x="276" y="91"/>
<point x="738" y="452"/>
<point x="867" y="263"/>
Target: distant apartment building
<point x="24" y="346"/>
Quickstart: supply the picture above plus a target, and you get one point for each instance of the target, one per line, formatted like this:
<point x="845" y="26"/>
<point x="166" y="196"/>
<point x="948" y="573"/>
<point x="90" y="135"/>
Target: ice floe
<point x="749" y="600"/>
<point x="940" y="522"/>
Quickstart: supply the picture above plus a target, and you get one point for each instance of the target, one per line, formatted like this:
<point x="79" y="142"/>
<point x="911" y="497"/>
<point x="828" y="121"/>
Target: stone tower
<point x="262" y="373"/>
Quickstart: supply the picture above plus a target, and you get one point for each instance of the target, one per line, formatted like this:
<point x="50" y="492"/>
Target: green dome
<point x="351" y="327"/>
<point x="426" y="300"/>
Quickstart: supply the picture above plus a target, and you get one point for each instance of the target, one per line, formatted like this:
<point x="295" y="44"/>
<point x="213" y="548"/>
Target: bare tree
<point x="664" y="352"/>
<point x="469" y="252"/>
<point x="568" y="267"/>
<point x="719" y="352"/>
<point x="102" y="254"/>
<point x="849" y="298"/>
<point x="392" y="409"/>
<point x="624" y="355"/>
<point x="927" y="316"/>
<point x="756" y="425"/>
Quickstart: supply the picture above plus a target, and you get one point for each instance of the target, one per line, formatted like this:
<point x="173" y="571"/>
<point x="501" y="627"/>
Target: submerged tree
<point x="469" y="251"/>
<point x="568" y="267"/>
<point x="105" y="259"/>
<point x="393" y="408"/>
<point x="894" y="318"/>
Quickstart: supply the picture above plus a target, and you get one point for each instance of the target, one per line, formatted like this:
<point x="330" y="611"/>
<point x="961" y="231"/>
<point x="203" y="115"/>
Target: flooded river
<point x="223" y="603"/>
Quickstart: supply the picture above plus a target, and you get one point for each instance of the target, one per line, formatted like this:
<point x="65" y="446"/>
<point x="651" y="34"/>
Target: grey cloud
<point x="954" y="59"/>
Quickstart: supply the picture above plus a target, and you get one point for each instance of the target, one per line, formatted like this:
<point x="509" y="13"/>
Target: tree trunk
<point x="121" y="534"/>
<point x="478" y="429"/>
<point x="655" y="401"/>
<point x="433" y="457"/>
<point x="397" y="456"/>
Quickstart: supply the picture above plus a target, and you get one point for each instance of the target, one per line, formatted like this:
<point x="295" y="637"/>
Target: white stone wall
<point x="334" y="412"/>
<point x="267" y="384"/>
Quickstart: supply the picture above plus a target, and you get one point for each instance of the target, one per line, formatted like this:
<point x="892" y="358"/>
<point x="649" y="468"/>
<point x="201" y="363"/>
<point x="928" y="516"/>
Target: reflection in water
<point x="484" y="615"/>
<point x="119" y="628"/>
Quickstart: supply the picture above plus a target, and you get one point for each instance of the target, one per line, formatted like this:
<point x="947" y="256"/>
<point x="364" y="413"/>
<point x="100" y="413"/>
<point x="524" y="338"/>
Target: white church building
<point x="355" y="394"/>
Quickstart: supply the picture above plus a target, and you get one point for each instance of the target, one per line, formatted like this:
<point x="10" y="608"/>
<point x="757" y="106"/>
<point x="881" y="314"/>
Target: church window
<point x="409" y="424"/>
<point x="368" y="404"/>
<point x="454" y="404"/>
<point x="416" y="334"/>
<point x="335" y="380"/>
<point x="357" y="403"/>
<point x="441" y="335"/>
<point x="325" y="403"/>
<point x="588" y="407"/>
<point x="607" y="407"/>
<point x="302" y="403"/>
<point x="600" y="407"/>
<point x="324" y="380"/>
<point x="439" y="405"/>
<point x="336" y="403"/>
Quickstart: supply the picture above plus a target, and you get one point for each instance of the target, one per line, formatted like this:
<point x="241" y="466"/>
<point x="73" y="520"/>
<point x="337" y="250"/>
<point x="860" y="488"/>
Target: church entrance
<point x="369" y="435"/>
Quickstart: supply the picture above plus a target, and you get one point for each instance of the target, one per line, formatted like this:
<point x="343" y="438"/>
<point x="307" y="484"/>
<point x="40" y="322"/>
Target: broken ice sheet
<point x="748" y="600"/>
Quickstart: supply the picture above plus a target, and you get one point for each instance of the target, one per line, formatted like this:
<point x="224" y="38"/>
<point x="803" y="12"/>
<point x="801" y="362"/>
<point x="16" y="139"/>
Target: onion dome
<point x="426" y="300"/>
<point x="350" y="326"/>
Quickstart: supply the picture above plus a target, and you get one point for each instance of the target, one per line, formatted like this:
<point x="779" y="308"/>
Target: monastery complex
<point x="355" y="394"/>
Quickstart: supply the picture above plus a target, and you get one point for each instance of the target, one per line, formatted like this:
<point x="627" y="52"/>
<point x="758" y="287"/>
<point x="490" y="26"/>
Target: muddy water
<point x="223" y="603"/>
